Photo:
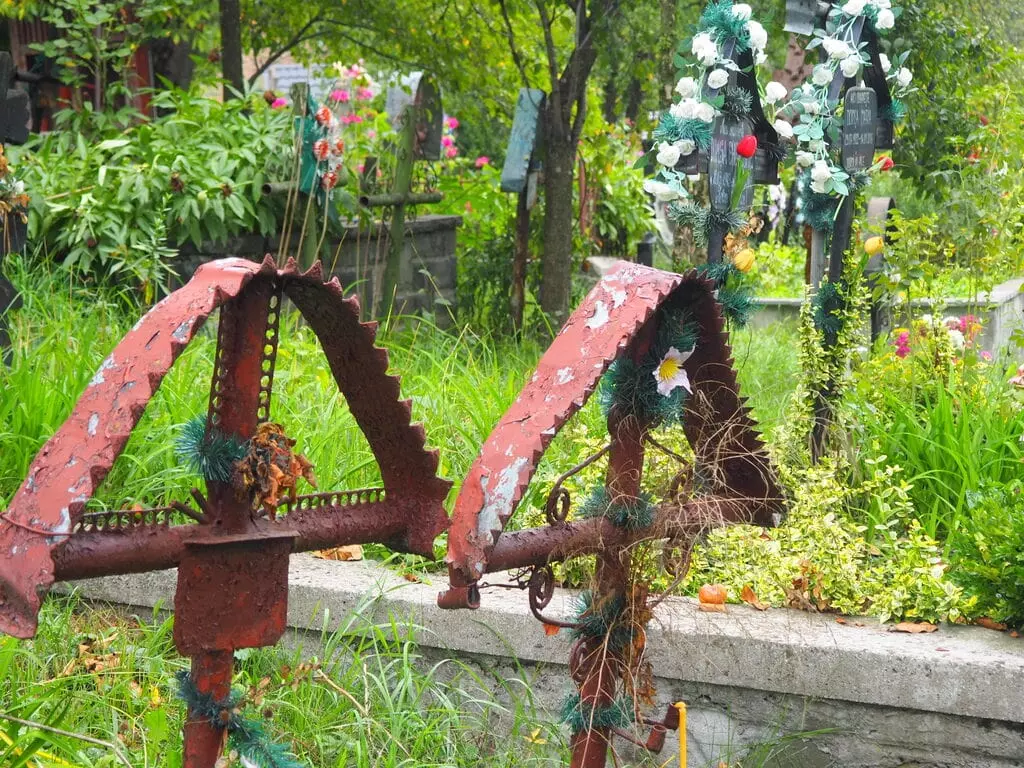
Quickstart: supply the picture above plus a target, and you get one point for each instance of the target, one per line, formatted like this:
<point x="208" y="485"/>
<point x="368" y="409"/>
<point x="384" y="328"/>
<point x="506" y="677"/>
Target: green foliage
<point x="778" y="270"/>
<point x="988" y="555"/>
<point x="368" y="699"/>
<point x="113" y="208"/>
<point x="735" y="291"/>
<point x="820" y="559"/>
<point x="673" y="129"/>
<point x="719" y="20"/>
<point x="947" y="418"/>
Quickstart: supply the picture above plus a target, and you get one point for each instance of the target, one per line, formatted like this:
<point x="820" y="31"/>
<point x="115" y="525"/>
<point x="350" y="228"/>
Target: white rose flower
<point x="686" y="87"/>
<point x="904" y="77"/>
<point x="854" y="7"/>
<point x="784" y="129"/>
<point x="705" y="49"/>
<point x="705" y="112"/>
<point x="760" y="57"/>
<point x="816" y="146"/>
<point x="835" y="48"/>
<point x="742" y="11"/>
<point x="885" y="20"/>
<point x="822" y="74"/>
<point x="686" y="109"/>
<point x="811" y="107"/>
<point x="686" y="147"/>
<point x="758" y="36"/>
<point x="820" y="174"/>
<point x="774" y="92"/>
<point x="663" y="193"/>
<point x="886" y="64"/>
<point x="957" y="339"/>
<point x="717" y="79"/>
<point x="880" y="4"/>
<point x="668" y="154"/>
<point x="850" y="66"/>
<point x="804" y="159"/>
<point x="19" y="188"/>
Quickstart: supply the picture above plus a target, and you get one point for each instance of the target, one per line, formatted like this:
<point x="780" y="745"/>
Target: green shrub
<point x="988" y="553"/>
<point x="118" y="206"/>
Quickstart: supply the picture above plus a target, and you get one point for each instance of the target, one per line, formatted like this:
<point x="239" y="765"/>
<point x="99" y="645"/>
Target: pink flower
<point x="451" y="152"/>
<point x="1018" y="380"/>
<point x="447" y="141"/>
<point x="482" y="161"/>
<point x="360" y="168"/>
<point x="340" y="95"/>
<point x="371" y="134"/>
<point x="364" y="94"/>
<point x="321" y="149"/>
<point x="902" y="344"/>
<point x="451" y="123"/>
<point x="348" y="119"/>
<point x="986" y="356"/>
<point x="279" y="103"/>
<point x="323" y="115"/>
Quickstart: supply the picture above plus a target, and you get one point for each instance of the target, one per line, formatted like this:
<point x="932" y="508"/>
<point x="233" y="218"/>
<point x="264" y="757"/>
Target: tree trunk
<point x="556" y="261"/>
<point x="231" y="47"/>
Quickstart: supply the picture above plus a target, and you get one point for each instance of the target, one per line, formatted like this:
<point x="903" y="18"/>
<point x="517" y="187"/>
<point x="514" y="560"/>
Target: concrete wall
<point x="426" y="282"/>
<point x="1001" y="312"/>
<point x="876" y="698"/>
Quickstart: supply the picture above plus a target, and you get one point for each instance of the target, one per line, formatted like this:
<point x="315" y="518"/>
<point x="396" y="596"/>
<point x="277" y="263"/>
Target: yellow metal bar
<point x="681" y="706"/>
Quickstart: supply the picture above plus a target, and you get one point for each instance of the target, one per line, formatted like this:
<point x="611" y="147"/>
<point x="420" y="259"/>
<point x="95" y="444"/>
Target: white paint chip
<point x="600" y="316"/>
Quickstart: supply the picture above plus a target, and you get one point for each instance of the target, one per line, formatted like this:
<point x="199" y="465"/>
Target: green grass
<point x="370" y="700"/>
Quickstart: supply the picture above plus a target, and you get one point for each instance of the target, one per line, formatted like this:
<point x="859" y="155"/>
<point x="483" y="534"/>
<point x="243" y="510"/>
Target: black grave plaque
<point x="725" y="136"/>
<point x="860" y="116"/>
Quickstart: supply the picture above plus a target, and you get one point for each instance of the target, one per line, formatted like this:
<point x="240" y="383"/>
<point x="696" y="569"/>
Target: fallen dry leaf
<point x="840" y="620"/>
<point x="748" y="596"/>
<point x="411" y="577"/>
<point x="343" y="553"/>
<point x="712" y="607"/>
<point x="988" y="623"/>
<point x="914" y="627"/>
<point x="1015" y="634"/>
<point x="551" y="629"/>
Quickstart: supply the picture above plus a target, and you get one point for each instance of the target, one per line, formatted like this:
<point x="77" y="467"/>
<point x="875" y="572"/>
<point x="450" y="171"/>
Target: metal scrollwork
<point x="541" y="589"/>
<point x="556" y="508"/>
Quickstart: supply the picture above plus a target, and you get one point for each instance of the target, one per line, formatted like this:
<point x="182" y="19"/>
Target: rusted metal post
<point x="204" y="742"/>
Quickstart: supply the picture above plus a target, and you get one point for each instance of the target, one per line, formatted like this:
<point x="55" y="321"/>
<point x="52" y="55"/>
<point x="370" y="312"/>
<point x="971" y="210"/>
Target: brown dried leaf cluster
<point x="271" y="470"/>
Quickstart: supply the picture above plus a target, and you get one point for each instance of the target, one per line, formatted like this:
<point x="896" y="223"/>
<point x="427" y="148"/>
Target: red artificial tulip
<point x="747" y="146"/>
<point x="887" y="163"/>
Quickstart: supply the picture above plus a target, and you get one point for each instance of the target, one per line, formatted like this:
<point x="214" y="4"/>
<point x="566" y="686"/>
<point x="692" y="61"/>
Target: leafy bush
<point x="117" y="207"/>
<point x="988" y="554"/>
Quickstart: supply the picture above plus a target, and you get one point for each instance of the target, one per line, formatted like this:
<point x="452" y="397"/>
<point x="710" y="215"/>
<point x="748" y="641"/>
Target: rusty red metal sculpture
<point x="617" y="320"/>
<point x="232" y="556"/>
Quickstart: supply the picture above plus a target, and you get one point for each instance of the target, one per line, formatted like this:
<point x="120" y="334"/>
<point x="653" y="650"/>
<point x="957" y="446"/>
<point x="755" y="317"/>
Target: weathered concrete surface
<point x="949" y="699"/>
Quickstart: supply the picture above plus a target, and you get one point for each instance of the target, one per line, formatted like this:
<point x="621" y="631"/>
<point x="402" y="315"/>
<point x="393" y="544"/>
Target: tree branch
<point x="511" y="37"/>
<point x="297" y="38"/>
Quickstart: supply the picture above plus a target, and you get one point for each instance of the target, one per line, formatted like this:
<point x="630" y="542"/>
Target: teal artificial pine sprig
<point x="245" y="736"/>
<point x="672" y="129"/>
<point x="631" y="514"/>
<point x="722" y="24"/>
<point x="580" y="716"/>
<point x="212" y="456"/>
<point x="735" y="292"/>
<point x="737" y="104"/>
<point x="894" y="112"/>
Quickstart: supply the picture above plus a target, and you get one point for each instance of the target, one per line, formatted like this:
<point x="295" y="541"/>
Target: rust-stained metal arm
<point x="146" y="548"/>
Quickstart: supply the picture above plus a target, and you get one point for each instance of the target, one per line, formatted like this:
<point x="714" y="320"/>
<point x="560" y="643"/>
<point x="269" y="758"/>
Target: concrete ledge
<point x="964" y="671"/>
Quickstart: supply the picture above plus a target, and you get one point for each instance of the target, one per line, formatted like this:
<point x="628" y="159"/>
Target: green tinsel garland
<point x="701" y="219"/>
<point x="894" y="112"/>
<point x="602" y="621"/>
<point x="212" y="457"/>
<point x="737" y="103"/>
<point x="719" y="20"/>
<point x="673" y="129"/>
<point x="632" y="514"/>
<point x="580" y="716"/>
<point x="826" y="310"/>
<point x="245" y="736"/>
<point x="630" y="387"/>
<point x="735" y="293"/>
